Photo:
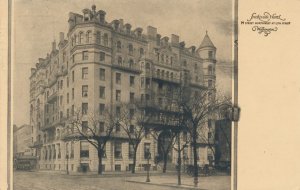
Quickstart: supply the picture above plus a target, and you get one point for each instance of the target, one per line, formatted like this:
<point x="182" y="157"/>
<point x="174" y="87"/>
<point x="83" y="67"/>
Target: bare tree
<point x="95" y="128"/>
<point x="197" y="105"/>
<point x="133" y="120"/>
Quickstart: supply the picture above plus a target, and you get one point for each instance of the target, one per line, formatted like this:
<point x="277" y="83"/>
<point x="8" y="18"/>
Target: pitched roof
<point x="206" y="42"/>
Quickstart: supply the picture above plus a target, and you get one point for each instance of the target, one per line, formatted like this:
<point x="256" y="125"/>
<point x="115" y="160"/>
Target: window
<point x="118" y="78"/>
<point x="73" y="76"/>
<point x="162" y="57"/>
<point x="84" y="149"/>
<point x="61" y="84"/>
<point x="131" y="79"/>
<point x="73" y="94"/>
<point x="101" y="127"/>
<point x="85" y="73"/>
<point x="102" y="74"/>
<point x="146" y="150"/>
<point x="209" y="123"/>
<point x="184" y="63"/>
<point x="68" y="113"/>
<point x="142" y="82"/>
<point x="131" y="113"/>
<point x="131" y="151"/>
<point x="118" y="111"/>
<point x="118" y="95"/>
<point x="68" y="82"/>
<point x="131" y="129"/>
<point x="209" y="135"/>
<point x="120" y="60"/>
<point x="210" y="54"/>
<point x="72" y="110"/>
<point x="61" y="100"/>
<point x="130" y="49"/>
<point x="119" y="46"/>
<point x="147" y="83"/>
<point x="88" y="37"/>
<point x="118" y="127"/>
<point x="85" y="55"/>
<point x="117" y="167"/>
<point x="101" y="108"/>
<point x="98" y="37"/>
<point x="72" y="150"/>
<point x="147" y="133"/>
<point x="141" y="52"/>
<point x="196" y="67"/>
<point x="84" y="126"/>
<point x="80" y="37"/>
<point x="131" y="63"/>
<point x="64" y="56"/>
<point x="210" y="70"/>
<point x="118" y="150"/>
<point x="102" y="56"/>
<point x="105" y="40"/>
<point x="85" y="91"/>
<point x="84" y="108"/>
<point x="102" y="92"/>
<point x="131" y="97"/>
<point x="184" y="136"/>
<point x="67" y="98"/>
<point x="210" y="83"/>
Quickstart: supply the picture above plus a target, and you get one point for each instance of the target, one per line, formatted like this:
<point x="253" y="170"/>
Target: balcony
<point x="166" y="79"/>
<point x="54" y="124"/>
<point x="52" y="97"/>
<point x="37" y="144"/>
<point x="126" y="67"/>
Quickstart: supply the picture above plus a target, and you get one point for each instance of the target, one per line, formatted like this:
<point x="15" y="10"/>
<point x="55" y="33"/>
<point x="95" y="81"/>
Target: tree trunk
<point x="100" y="161"/>
<point x="134" y="161"/>
<point x="165" y="157"/>
<point x="179" y="159"/>
<point x="195" y="157"/>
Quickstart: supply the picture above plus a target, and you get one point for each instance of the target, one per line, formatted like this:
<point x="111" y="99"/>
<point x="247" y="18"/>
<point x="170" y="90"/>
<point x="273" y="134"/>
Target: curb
<point x="165" y="185"/>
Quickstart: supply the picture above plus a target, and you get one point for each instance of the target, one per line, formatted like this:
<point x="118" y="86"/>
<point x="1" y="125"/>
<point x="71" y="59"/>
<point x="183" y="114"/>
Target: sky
<point x="38" y="22"/>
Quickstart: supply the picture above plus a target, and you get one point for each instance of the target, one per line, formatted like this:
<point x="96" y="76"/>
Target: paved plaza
<point x="58" y="181"/>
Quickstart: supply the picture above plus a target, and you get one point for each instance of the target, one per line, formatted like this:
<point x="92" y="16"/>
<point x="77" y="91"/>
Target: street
<point x="56" y="181"/>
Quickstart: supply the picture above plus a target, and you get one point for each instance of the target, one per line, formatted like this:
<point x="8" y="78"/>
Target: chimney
<point x="53" y="45"/>
<point x="158" y="36"/>
<point x="182" y="44"/>
<point x="121" y="23"/>
<point x="128" y="28"/>
<point x="174" y="39"/>
<point x="151" y="31"/>
<point x="61" y="37"/>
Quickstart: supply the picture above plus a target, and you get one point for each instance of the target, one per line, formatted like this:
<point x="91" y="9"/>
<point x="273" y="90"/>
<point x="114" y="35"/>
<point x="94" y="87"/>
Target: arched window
<point x="141" y="52"/>
<point x="130" y="49"/>
<point x="88" y="37"/>
<point x="167" y="74"/>
<point x="163" y="73"/>
<point x="171" y="75"/>
<point x="120" y="60"/>
<point x="105" y="40"/>
<point x="80" y="37"/>
<point x="158" y="72"/>
<point x="98" y="37"/>
<point x="131" y="63"/>
<point x="119" y="46"/>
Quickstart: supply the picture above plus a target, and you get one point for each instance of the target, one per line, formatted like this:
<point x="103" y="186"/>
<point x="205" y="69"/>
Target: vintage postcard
<point x="137" y="94"/>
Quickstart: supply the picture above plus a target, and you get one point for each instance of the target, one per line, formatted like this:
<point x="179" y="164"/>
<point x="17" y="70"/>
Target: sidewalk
<point x="209" y="183"/>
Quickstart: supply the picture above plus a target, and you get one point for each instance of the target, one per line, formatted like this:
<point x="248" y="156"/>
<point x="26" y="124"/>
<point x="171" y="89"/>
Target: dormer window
<point x="86" y="17"/>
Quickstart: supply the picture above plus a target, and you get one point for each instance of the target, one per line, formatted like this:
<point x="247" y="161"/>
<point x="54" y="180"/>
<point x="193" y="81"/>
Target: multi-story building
<point x="99" y="64"/>
<point x="22" y="141"/>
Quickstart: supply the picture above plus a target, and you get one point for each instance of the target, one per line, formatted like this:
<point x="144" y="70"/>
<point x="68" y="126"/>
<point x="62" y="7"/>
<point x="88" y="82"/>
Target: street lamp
<point x="148" y="154"/>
